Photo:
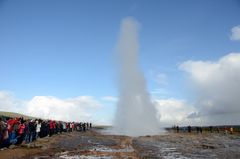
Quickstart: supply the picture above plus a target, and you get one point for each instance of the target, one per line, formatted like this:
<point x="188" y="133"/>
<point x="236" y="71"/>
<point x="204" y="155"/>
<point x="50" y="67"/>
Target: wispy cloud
<point x="235" y="33"/>
<point x="109" y="99"/>
<point x="161" y="79"/>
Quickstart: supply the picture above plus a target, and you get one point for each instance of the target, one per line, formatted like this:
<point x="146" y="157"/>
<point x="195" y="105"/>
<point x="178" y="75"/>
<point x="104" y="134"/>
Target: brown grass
<point x="15" y="115"/>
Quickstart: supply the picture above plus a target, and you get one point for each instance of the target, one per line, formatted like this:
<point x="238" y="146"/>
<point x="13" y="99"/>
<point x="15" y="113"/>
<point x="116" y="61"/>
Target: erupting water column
<point x="136" y="114"/>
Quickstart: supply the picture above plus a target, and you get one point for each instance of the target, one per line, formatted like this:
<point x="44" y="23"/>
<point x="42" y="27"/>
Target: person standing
<point x="71" y="127"/>
<point x="38" y="129"/>
<point x="51" y="128"/>
<point x="27" y="132"/>
<point x="21" y="134"/>
<point x="211" y="129"/>
<point x="84" y="127"/>
<point x="189" y="129"/>
<point x="231" y="130"/>
<point x="177" y="129"/>
<point x="4" y="136"/>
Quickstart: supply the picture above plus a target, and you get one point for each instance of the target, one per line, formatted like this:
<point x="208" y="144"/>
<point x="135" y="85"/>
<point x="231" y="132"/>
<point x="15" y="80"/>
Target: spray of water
<point x="136" y="114"/>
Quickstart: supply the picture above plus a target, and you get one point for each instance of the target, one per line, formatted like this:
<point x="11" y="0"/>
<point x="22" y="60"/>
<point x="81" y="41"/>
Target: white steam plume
<point x="136" y="114"/>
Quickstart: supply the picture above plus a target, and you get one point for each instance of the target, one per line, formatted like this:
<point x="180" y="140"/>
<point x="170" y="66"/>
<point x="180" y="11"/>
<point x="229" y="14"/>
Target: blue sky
<point x="66" y="48"/>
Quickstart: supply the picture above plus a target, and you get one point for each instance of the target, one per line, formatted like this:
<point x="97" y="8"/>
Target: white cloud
<point x="235" y="33"/>
<point x="9" y="103"/>
<point x="76" y="109"/>
<point x="80" y="108"/>
<point x="174" y="111"/>
<point x="217" y="87"/>
<point x="199" y="70"/>
<point x="5" y="100"/>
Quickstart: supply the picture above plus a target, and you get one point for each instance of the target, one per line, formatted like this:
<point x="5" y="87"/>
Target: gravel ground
<point x="94" y="145"/>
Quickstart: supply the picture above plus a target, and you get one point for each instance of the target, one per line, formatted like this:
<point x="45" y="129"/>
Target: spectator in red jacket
<point x="21" y="134"/>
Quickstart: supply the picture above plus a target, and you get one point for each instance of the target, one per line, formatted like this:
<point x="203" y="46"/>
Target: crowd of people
<point x="200" y="129"/>
<point x="16" y="131"/>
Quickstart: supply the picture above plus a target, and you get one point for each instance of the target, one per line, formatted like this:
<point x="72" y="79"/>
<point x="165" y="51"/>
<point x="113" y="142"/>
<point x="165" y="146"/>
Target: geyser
<point x="136" y="114"/>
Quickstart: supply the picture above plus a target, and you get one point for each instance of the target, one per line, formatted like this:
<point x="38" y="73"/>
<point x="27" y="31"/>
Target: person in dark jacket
<point x="189" y="129"/>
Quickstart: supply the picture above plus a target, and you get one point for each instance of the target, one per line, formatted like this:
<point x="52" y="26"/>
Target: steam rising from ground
<point x="136" y="114"/>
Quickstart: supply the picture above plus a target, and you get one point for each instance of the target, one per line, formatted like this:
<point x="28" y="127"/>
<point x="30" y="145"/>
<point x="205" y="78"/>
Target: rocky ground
<point x="92" y="144"/>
